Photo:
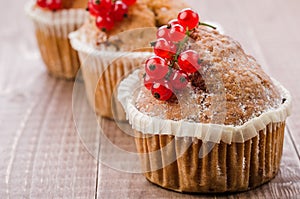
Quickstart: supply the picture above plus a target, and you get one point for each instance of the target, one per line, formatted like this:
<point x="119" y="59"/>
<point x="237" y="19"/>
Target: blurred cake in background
<point x="53" y="21"/>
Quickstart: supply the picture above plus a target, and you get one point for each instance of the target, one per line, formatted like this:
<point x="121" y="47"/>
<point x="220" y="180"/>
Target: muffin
<point x="214" y="123"/>
<point x="53" y="22"/>
<point x="107" y="56"/>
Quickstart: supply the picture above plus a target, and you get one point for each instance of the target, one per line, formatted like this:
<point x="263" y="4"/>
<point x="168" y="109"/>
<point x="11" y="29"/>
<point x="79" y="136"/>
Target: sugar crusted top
<point x="237" y="89"/>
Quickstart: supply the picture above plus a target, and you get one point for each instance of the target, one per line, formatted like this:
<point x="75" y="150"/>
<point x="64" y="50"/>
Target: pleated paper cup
<point x="52" y="29"/>
<point x="102" y="72"/>
<point x="207" y="158"/>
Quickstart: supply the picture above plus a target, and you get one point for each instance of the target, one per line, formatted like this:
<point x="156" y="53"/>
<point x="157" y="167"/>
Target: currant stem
<point x="181" y="45"/>
<point x="208" y="25"/>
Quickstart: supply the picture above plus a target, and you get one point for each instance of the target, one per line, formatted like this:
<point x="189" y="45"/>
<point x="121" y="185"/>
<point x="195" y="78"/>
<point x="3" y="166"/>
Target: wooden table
<point x="43" y="156"/>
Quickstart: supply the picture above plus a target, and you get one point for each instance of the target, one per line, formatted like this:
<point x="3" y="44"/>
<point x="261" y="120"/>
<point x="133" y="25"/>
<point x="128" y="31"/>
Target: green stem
<point x="181" y="45"/>
<point x="208" y="25"/>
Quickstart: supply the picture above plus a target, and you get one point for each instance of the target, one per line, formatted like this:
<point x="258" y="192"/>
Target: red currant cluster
<point x="168" y="71"/>
<point x="50" y="4"/>
<point x="108" y="11"/>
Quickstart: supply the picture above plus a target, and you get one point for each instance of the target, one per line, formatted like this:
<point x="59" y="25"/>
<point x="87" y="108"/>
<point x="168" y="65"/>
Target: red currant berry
<point x="188" y="18"/>
<point x="93" y="11"/>
<point x="189" y="61"/>
<point x="129" y="2"/>
<point x="163" y="32"/>
<point x="148" y="82"/>
<point x="156" y="67"/>
<point x="177" y="33"/>
<point x="161" y="92"/>
<point x="104" y="23"/>
<point x="173" y="22"/>
<point x="179" y="80"/>
<point x="101" y="5"/>
<point x="54" y="4"/>
<point x="119" y="11"/>
<point x="42" y="3"/>
<point x="162" y="49"/>
<point x="172" y="49"/>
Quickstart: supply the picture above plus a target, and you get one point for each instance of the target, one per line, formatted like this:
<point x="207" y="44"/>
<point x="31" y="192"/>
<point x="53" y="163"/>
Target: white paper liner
<point x="206" y="168"/>
<point x="114" y="65"/>
<point x="206" y="132"/>
<point x="63" y="21"/>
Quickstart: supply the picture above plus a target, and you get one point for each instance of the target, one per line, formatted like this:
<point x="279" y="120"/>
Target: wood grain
<point x="46" y="151"/>
<point x="45" y="156"/>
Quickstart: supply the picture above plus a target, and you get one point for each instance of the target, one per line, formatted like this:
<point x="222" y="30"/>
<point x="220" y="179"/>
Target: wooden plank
<point x="45" y="155"/>
<point x="20" y="109"/>
<point x="41" y="155"/>
<point x="68" y="167"/>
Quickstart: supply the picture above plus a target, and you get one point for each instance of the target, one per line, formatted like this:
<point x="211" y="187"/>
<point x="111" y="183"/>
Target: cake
<point x="53" y="21"/>
<point x="108" y="53"/>
<point x="214" y="121"/>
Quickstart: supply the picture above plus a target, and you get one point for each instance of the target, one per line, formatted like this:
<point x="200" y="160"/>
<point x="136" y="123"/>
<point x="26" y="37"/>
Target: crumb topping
<point x="236" y="87"/>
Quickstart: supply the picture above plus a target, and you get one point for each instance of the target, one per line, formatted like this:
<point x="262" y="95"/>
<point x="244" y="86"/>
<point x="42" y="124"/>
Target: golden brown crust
<point x="67" y="4"/>
<point x="237" y="87"/>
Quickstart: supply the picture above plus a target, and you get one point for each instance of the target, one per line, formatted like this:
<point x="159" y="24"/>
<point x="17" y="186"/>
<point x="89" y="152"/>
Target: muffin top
<point x="231" y="89"/>
<point x="139" y="16"/>
<point x="143" y="14"/>
<point x="67" y="4"/>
